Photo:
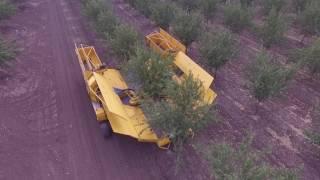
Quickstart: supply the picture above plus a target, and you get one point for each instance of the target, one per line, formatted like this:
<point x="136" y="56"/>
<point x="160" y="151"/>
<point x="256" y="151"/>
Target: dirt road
<point x="48" y="128"/>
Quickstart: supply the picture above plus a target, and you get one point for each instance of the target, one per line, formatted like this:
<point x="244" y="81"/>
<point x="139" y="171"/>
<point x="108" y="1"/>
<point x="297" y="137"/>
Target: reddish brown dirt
<point x="278" y="123"/>
<point x="48" y="128"/>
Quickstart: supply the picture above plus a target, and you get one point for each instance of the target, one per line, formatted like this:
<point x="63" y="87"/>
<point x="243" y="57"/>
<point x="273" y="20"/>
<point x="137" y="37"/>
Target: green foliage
<point x="187" y="27"/>
<point x="236" y="17"/>
<point x="6" y="52"/>
<point x="124" y="41"/>
<point x="246" y="3"/>
<point x="181" y="113"/>
<point x="6" y="9"/>
<point x="273" y="29"/>
<point x="308" y="57"/>
<point x="241" y="163"/>
<point x="267" y="78"/>
<point x="310" y="18"/>
<point x="131" y="2"/>
<point x="92" y="8"/>
<point x="144" y="6"/>
<point x="106" y="22"/>
<point x="313" y="136"/>
<point x="299" y="5"/>
<point x="314" y="133"/>
<point x="152" y="70"/>
<point x="268" y="5"/>
<point x="163" y="14"/>
<point x="189" y="5"/>
<point x="208" y="8"/>
<point x="217" y="48"/>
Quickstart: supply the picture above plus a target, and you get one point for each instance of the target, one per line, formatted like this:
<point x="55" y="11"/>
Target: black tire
<point x="106" y="129"/>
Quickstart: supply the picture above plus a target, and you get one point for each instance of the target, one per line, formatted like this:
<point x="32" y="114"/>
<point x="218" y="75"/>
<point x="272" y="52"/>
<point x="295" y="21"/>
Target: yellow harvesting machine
<point x="115" y="105"/>
<point x="163" y="43"/>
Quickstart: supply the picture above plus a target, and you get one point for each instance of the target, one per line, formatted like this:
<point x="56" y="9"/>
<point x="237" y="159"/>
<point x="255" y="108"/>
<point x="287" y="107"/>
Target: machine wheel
<point x="106" y="129"/>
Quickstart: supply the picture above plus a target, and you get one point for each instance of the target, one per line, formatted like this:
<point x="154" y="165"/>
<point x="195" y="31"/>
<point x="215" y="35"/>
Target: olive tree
<point x="6" y="9"/>
<point x="106" y="22"/>
<point x="308" y="57"/>
<point x="310" y="18"/>
<point x="163" y="14"/>
<point x="266" y="77"/>
<point x="124" y="41"/>
<point x="92" y="8"/>
<point x="236" y="17"/>
<point x="6" y="52"/>
<point x="299" y="5"/>
<point x="241" y="162"/>
<point x="181" y="114"/>
<point x="273" y="29"/>
<point x="187" y="27"/>
<point x="151" y="70"/>
<point x="189" y="5"/>
<point x="216" y="48"/>
<point x="268" y="5"/>
<point x="208" y="8"/>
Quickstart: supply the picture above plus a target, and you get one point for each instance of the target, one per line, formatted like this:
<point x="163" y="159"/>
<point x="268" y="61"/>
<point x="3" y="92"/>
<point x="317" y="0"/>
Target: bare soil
<point x="48" y="128"/>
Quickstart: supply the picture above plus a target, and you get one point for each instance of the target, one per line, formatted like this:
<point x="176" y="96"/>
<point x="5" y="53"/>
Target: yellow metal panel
<point x="114" y="79"/>
<point x="209" y="96"/>
<point x="164" y="43"/>
<point x="124" y="119"/>
<point x="111" y="99"/>
<point x="173" y="42"/>
<point x="89" y="55"/>
<point x="100" y="114"/>
<point x="186" y="65"/>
